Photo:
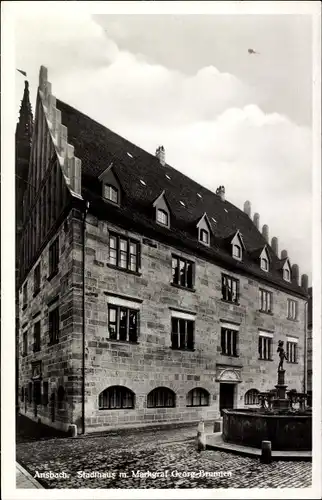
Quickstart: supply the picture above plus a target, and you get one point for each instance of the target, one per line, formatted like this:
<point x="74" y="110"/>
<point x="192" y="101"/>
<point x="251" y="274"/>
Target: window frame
<point x="186" y="279"/>
<point x="53" y="257"/>
<point x="111" y="190"/>
<point x="200" y="392"/>
<point x="266" y="269"/>
<point x="37" y="279"/>
<point x="292" y="309"/>
<point x="240" y="252"/>
<point x="54" y="326"/>
<point x="233" y="344"/>
<point x="268" y="301"/>
<point x="291" y="352"/>
<point x="188" y="344"/>
<point x="164" y="392"/>
<point x="24" y="343"/>
<point x="129" y="311"/>
<point x="37" y="337"/>
<point x="227" y="278"/>
<point x="265" y="348"/>
<point x="253" y="395"/>
<point x="202" y="232"/>
<point x="119" y="252"/>
<point x="124" y="394"/>
<point x="287" y="274"/>
<point x="164" y="213"/>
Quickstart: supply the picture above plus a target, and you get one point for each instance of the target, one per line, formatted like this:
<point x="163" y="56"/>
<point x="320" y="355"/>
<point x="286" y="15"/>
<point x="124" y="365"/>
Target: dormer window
<point x="204" y="236"/>
<point x="264" y="264"/>
<point x="111" y="193"/>
<point x="286" y="274"/>
<point x="162" y="217"/>
<point x="237" y="252"/>
<point x="264" y="259"/>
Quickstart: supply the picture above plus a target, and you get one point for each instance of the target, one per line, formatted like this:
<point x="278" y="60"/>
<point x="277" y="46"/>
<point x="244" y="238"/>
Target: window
<point x="264" y="264"/>
<point x="230" y="288"/>
<point x="286" y="274"/>
<point x="162" y="217"/>
<point x="251" y="397"/>
<point x="182" y="272"/>
<point x="182" y="335"/>
<point x="198" y="397"/>
<point x="204" y="236"/>
<point x="161" y="397"/>
<point x="124" y="253"/>
<point x="116" y="398"/>
<point x="291" y="309"/>
<point x="54" y="326"/>
<point x="291" y="351"/>
<point x="22" y="395"/>
<point x="111" y="193"/>
<point x="37" y="279"/>
<point x="53" y="257"/>
<point x="237" y="252"/>
<point x="265" y="301"/>
<point x="37" y="336"/>
<point x="30" y="392"/>
<point x="229" y="340"/>
<point x="25" y="295"/>
<point x="37" y="392"/>
<point x="265" y="347"/>
<point x="45" y="394"/>
<point x="24" y="343"/>
<point x="123" y="323"/>
<point x="60" y="397"/>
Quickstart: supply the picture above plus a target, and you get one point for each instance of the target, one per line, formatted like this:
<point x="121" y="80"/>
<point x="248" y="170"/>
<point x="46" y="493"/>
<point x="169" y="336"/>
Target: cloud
<point x="210" y="122"/>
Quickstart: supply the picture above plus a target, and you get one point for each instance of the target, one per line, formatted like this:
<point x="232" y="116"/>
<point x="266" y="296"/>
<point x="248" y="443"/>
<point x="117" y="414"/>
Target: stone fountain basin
<point x="249" y="427"/>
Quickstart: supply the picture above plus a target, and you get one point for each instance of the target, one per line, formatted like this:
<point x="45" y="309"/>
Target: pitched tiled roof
<point x="98" y="147"/>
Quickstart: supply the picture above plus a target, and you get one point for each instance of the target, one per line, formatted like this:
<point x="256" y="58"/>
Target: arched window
<point x="161" y="397"/>
<point x="204" y="236"/>
<point x="251" y="397"/>
<point x="116" y="398"/>
<point x="111" y="193"/>
<point x="198" y="397"/>
<point x="162" y="217"/>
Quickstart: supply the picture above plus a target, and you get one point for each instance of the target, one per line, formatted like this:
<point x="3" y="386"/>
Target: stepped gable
<point x="98" y="147"/>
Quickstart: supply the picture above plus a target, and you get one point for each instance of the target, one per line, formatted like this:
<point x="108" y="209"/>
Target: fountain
<point x="275" y="420"/>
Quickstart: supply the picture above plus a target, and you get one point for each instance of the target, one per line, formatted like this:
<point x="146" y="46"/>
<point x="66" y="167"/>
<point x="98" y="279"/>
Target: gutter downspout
<point x="83" y="319"/>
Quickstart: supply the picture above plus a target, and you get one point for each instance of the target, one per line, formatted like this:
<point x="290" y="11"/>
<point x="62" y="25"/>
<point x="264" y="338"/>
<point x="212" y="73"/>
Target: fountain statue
<point x="282" y="354"/>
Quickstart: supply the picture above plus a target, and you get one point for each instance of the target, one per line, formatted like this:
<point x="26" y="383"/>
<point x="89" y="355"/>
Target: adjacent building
<point x="144" y="297"/>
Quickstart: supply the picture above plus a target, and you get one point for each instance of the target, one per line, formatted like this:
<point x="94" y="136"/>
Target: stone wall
<point x="152" y="363"/>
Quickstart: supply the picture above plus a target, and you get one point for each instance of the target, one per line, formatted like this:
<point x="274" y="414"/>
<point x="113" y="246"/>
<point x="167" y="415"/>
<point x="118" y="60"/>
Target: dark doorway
<point x="226" y="397"/>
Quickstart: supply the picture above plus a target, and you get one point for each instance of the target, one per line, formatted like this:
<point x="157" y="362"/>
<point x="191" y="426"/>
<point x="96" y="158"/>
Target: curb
<point x="26" y="474"/>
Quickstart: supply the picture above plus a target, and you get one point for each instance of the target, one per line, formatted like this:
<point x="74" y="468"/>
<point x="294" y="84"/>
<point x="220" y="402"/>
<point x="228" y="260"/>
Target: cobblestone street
<point x="125" y="454"/>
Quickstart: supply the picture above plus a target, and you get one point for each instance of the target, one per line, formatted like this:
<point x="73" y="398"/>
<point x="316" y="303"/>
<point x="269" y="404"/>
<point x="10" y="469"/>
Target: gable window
<point x="251" y="397"/>
<point x="116" y="398"/>
<point x="265" y="301"/>
<point x="291" y="351"/>
<point x="264" y="264"/>
<point x="111" y="193"/>
<point x="122" y="323"/>
<point x="25" y="343"/>
<point x="291" y="309"/>
<point x="265" y="346"/>
<point x="237" y="252"/>
<point x="37" y="279"/>
<point x="286" y="274"/>
<point x="229" y="340"/>
<point x="124" y="252"/>
<point x="54" y="326"/>
<point x="198" y="397"/>
<point x="204" y="236"/>
<point x="161" y="397"/>
<point x="230" y="288"/>
<point x="37" y="336"/>
<point x="162" y="217"/>
<point x="182" y="334"/>
<point x="25" y="295"/>
<point x="53" y="258"/>
<point x="182" y="272"/>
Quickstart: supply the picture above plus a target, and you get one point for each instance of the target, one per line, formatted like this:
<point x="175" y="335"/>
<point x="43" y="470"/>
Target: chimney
<point x="283" y="254"/>
<point x="265" y="232"/>
<point x="160" y="154"/>
<point x="274" y="245"/>
<point x="295" y="273"/>
<point x="220" y="191"/>
<point x="305" y="282"/>
<point x="256" y="220"/>
<point x="248" y="208"/>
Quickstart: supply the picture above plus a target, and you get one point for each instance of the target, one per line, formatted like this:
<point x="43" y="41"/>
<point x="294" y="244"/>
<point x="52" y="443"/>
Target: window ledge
<point x="115" y="409"/>
<point x="230" y="355"/>
<point x="270" y="313"/>
<point x="135" y="342"/>
<point x="128" y="271"/>
<point x="52" y="274"/>
<point x="183" y="287"/>
<point x="183" y="350"/>
<point x="230" y="302"/>
<point x="265" y="359"/>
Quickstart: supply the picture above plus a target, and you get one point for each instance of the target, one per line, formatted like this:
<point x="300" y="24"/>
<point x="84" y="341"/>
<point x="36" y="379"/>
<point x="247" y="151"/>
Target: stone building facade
<point x="147" y="298"/>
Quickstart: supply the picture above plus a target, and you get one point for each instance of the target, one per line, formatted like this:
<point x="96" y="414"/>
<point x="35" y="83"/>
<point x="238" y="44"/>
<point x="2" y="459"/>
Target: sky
<point x="224" y="116"/>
